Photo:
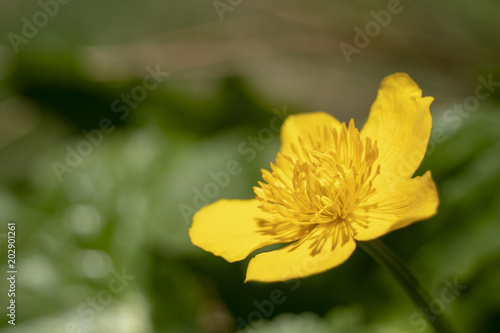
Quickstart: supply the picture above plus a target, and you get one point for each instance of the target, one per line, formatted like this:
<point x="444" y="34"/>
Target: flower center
<point x="328" y="176"/>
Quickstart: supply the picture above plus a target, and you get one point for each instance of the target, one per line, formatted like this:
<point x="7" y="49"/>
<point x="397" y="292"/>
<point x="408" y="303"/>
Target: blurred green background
<point x="102" y="242"/>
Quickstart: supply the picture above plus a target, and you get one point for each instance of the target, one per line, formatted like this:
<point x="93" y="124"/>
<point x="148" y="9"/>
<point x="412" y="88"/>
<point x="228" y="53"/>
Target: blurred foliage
<point x="120" y="209"/>
<point x="125" y="206"/>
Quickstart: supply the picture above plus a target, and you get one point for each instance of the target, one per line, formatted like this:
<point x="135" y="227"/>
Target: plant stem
<point x="385" y="257"/>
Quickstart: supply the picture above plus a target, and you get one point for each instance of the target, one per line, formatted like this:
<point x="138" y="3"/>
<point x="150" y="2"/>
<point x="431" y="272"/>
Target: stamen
<point x="329" y="174"/>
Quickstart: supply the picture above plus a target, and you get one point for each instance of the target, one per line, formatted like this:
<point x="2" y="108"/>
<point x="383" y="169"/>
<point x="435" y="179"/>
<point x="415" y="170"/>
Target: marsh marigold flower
<point x="329" y="187"/>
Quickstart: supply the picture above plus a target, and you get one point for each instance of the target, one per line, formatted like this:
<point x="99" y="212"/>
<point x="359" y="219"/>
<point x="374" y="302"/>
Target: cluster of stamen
<point x="326" y="178"/>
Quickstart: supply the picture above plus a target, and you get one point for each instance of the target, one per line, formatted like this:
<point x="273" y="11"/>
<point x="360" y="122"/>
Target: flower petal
<point x="233" y="229"/>
<point x="326" y="246"/>
<point x="302" y="125"/>
<point x="400" y="121"/>
<point x="396" y="206"/>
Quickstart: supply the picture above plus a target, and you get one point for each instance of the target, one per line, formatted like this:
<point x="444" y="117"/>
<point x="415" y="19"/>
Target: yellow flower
<point x="329" y="186"/>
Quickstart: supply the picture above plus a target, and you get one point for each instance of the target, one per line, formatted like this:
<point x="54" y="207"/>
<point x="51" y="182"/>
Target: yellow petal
<point x="233" y="229"/>
<point x="325" y="247"/>
<point x="400" y="121"/>
<point x="303" y="125"/>
<point x="396" y="206"/>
